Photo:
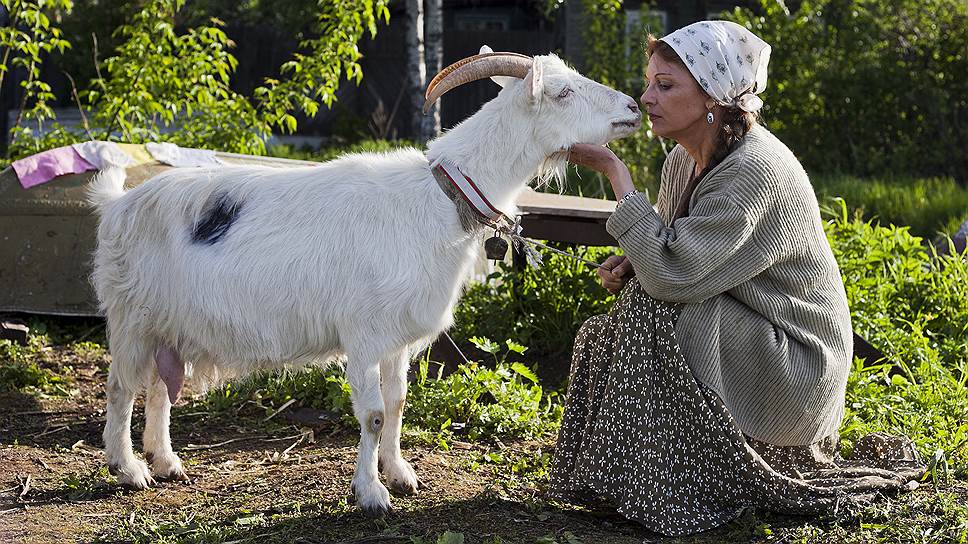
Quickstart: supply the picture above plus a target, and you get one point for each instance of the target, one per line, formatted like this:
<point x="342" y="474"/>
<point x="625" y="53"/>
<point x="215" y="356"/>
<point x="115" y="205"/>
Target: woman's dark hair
<point x="735" y="122"/>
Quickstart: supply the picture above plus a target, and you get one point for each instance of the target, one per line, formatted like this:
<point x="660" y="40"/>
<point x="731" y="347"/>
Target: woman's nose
<point x="647" y="98"/>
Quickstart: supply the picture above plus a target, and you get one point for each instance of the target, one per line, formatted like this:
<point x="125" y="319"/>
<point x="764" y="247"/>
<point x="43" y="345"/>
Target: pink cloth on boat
<point x="47" y="165"/>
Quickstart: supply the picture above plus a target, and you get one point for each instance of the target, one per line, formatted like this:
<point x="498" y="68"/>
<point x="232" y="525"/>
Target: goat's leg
<point x="393" y="373"/>
<point x="165" y="463"/>
<point x="363" y="373"/>
<point x="122" y="462"/>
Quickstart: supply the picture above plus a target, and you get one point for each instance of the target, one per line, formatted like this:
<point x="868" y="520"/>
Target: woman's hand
<point x="615" y="273"/>
<point x="595" y="157"/>
<point x="601" y="159"/>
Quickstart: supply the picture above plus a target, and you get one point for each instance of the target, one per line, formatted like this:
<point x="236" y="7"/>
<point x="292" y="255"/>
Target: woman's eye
<point x="665" y="86"/>
<point x="564" y="92"/>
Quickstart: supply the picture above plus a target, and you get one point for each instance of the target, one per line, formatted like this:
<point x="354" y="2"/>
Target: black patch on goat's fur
<point x="215" y="222"/>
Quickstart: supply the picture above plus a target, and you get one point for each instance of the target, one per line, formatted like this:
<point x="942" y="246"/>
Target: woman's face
<point x="675" y="104"/>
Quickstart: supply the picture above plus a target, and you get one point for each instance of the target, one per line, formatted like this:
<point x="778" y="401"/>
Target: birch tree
<point x="433" y="56"/>
<point x="416" y="69"/>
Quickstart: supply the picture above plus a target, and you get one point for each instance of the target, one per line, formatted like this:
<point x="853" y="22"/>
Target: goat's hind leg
<point x="118" y="452"/>
<point x="363" y="373"/>
<point x="399" y="474"/>
<point x="157" y="438"/>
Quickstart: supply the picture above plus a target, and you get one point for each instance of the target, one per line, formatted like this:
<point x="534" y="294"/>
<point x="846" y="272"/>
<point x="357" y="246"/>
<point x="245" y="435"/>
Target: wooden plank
<point x="533" y="202"/>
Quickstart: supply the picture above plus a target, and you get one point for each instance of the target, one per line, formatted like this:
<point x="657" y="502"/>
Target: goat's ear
<point x="534" y="82"/>
<point x="502" y="81"/>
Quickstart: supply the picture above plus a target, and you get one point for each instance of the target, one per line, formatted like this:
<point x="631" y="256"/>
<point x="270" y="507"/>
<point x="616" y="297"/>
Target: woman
<point x="717" y="381"/>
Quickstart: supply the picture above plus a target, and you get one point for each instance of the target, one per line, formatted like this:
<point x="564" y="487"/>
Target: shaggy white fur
<point x="238" y="269"/>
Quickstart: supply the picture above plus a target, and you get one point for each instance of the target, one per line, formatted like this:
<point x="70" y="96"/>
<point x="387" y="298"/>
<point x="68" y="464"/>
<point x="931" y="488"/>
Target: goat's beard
<point x="552" y="171"/>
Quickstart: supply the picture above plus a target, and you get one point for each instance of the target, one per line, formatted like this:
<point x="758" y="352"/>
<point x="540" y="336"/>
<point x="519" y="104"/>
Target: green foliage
<point x="80" y="486"/>
<point x="323" y="388"/>
<point x="25" y="41"/>
<point x="477" y="401"/>
<point x="168" y="85"/>
<point x="915" y="308"/>
<point x="617" y="59"/>
<point x="20" y="371"/>
<point x="541" y="308"/>
<point x="926" y="205"/>
<point x="868" y="86"/>
<point x="313" y="77"/>
<point x="159" y="78"/>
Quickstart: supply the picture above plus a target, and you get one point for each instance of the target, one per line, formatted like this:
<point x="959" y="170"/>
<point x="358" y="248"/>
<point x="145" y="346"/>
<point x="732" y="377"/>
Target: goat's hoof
<point x="403" y="487"/>
<point x="376" y="511"/>
<point x="134" y="474"/>
<point x="373" y="498"/>
<point x="167" y="466"/>
<point x="401" y="477"/>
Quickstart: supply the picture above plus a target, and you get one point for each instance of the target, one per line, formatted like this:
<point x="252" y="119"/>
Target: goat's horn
<point x="474" y="68"/>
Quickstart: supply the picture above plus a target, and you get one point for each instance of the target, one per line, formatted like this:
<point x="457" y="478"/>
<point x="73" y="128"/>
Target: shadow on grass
<point x="479" y="519"/>
<point x="484" y="518"/>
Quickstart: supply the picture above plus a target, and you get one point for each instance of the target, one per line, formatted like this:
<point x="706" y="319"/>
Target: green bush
<point x="926" y="205"/>
<point x="868" y="87"/>
<point x="164" y="83"/>
<point x="540" y="308"/>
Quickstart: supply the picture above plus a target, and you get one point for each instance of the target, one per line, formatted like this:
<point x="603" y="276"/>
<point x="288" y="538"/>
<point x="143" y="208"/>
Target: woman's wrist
<point x="621" y="180"/>
<point x="624" y="199"/>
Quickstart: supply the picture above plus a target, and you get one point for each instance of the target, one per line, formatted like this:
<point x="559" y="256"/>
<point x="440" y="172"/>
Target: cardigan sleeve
<point x="706" y="253"/>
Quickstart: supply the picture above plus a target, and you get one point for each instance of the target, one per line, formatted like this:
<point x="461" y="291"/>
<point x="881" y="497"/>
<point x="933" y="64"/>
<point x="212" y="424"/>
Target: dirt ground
<point x="274" y="481"/>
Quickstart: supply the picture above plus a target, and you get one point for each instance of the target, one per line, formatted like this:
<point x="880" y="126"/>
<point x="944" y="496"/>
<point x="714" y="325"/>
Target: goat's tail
<point x="108" y="186"/>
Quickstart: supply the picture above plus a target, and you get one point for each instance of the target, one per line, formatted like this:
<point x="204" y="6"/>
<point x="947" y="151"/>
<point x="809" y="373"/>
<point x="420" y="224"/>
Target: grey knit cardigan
<point x="765" y="322"/>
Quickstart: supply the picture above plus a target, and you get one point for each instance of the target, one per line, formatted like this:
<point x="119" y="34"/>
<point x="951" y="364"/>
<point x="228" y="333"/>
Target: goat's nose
<point x="633" y="106"/>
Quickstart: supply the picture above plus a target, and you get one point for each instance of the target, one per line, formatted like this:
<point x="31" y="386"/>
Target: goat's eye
<point x="564" y="92"/>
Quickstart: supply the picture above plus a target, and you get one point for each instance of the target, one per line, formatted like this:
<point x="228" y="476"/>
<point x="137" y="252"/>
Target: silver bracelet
<point x="627" y="196"/>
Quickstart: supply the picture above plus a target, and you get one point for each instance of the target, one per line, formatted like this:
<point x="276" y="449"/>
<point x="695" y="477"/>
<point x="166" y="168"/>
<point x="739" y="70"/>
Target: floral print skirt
<point x="640" y="433"/>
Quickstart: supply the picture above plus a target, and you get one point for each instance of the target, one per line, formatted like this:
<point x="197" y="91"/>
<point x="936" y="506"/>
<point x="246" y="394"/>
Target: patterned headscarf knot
<point x="728" y="61"/>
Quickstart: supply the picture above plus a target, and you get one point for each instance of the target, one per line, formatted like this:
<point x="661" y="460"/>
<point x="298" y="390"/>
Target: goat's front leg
<point x="400" y="475"/>
<point x="363" y="374"/>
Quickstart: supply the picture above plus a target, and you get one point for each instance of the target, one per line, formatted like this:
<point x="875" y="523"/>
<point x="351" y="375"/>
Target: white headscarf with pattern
<point x="727" y="60"/>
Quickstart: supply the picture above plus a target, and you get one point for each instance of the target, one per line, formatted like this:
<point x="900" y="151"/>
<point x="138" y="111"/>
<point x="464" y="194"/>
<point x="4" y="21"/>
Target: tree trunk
<point x="434" y="55"/>
<point x="416" y="71"/>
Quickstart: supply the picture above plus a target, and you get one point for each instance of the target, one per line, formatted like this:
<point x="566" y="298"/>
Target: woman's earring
<point x="710" y="118"/>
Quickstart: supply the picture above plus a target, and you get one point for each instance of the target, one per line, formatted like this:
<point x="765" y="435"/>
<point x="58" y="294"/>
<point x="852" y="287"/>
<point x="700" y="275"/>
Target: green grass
<point x="22" y="369"/>
<point x="927" y="205"/>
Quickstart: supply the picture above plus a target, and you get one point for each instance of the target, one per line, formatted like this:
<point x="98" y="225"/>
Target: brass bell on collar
<point x="495" y="248"/>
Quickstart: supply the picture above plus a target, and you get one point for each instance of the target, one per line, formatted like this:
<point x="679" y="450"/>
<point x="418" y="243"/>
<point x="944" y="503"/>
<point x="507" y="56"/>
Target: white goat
<point x="220" y="272"/>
